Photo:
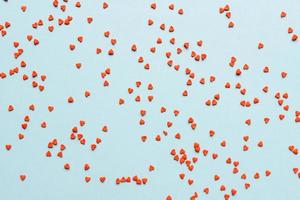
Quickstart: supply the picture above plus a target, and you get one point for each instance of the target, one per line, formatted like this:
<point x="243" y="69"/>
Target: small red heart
<point x="41" y="87"/>
<point x="80" y="39"/>
<point x="113" y="41"/>
<point x="72" y="47"/>
<point x="260" y="45"/>
<point x="43" y="124"/>
<point x="36" y="41"/>
<point x="247" y="185"/>
<point x="106" y="34"/>
<point x="290" y="30"/>
<point x="29" y="37"/>
<point x="82" y="141"/>
<point x="32" y="107"/>
<point x="102" y="179"/>
<point x="8" y="147"/>
<point x="205" y="152"/>
<point x="110" y="52"/>
<point x="295" y="170"/>
<point x="206" y="190"/>
<point x="50" y="108"/>
<point x="214" y="156"/>
<point x="93" y="147"/>
<point x="81" y="123"/>
<point x="180" y="11"/>
<point x="283" y="14"/>
<point x="67" y="166"/>
<point x="21" y="136"/>
<point x="216" y="177"/>
<point x="60" y="154"/>
<point x="190" y="181"/>
<point x="51" y="28"/>
<point x="150" y="22"/>
<point x="22" y="177"/>
<point x="153" y="6"/>
<point x="86" y="166"/>
<point x="87" y="93"/>
<point x="105" y="5"/>
<point x="98" y="140"/>
<point x="78" y="4"/>
<point x="233" y="192"/>
<point x="87" y="179"/>
<point x="23" y="8"/>
<point x="89" y="20"/>
<point x="24" y="126"/>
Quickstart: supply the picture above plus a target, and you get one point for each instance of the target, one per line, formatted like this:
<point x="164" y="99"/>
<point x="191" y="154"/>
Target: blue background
<point x="121" y="152"/>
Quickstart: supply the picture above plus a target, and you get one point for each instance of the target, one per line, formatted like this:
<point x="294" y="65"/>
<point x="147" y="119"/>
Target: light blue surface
<point x="122" y="153"/>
